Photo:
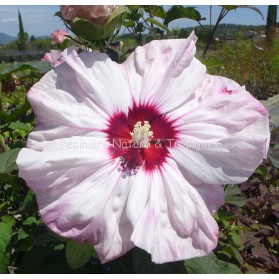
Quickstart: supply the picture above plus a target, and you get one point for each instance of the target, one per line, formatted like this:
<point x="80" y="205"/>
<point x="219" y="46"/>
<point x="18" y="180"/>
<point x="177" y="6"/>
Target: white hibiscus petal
<point x="224" y="137"/>
<point x="164" y="72"/>
<point x="59" y="100"/>
<point x="231" y="160"/>
<point x="81" y="194"/>
<point x="60" y="165"/>
<point x="138" y="196"/>
<point x="176" y="224"/>
<point x="41" y="135"/>
<point x="79" y="96"/>
<point x="101" y="80"/>
<point x="212" y="194"/>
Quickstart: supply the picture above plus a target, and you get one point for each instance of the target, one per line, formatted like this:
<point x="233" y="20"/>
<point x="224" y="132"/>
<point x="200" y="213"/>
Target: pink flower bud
<point x="58" y="36"/>
<point x="94" y="13"/>
<point x="53" y="58"/>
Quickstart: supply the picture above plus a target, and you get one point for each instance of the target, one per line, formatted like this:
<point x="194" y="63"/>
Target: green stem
<point x="2" y="144"/>
<point x="222" y="14"/>
<point x="102" y="46"/>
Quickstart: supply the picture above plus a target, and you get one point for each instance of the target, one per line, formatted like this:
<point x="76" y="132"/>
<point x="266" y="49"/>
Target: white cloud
<point x="8" y="19"/>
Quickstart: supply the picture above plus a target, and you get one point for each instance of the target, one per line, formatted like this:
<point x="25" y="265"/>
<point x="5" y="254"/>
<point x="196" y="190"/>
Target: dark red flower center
<point x="141" y="138"/>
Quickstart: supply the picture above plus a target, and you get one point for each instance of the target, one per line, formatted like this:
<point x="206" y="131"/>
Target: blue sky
<point x="40" y="20"/>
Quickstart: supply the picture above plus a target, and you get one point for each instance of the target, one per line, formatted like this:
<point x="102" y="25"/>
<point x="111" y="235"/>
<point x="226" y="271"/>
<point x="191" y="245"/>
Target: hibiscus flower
<point x="58" y="36"/>
<point x="135" y="154"/>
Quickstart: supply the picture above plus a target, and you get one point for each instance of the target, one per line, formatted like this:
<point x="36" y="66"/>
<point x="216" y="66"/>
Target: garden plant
<point x="147" y="154"/>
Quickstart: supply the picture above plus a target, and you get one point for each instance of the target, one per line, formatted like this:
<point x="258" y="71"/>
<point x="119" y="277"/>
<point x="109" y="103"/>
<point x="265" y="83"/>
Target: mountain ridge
<point x="5" y="38"/>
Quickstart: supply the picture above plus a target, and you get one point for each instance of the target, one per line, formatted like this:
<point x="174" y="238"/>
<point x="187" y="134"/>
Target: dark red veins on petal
<point x="132" y="157"/>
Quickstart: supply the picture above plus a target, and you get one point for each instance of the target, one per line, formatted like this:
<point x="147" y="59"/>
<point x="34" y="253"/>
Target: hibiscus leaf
<point x="8" y="161"/>
<point x="234" y="7"/>
<point x="25" y="230"/>
<point x="236" y="200"/>
<point x="155" y="11"/>
<point x="159" y="24"/>
<point x="222" y="215"/>
<point x="210" y="265"/>
<point x="29" y="202"/>
<point x="20" y="68"/>
<point x="78" y="254"/>
<point x="232" y="190"/>
<point x="233" y="252"/>
<point x="14" y="114"/>
<point x="6" y="223"/>
<point x="234" y="196"/>
<point x="261" y="170"/>
<point x="20" y="126"/>
<point x="121" y="9"/>
<point x="178" y="11"/>
<point x="235" y="239"/>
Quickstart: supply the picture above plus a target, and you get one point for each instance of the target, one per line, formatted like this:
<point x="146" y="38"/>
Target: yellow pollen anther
<point x="141" y="134"/>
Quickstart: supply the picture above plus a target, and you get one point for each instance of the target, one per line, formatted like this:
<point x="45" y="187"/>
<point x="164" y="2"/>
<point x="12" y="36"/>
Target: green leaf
<point x="28" y="202"/>
<point x="6" y="178"/>
<point x="178" y="11"/>
<point x="155" y="11"/>
<point x="234" y="196"/>
<point x="3" y="205"/>
<point x="20" y="126"/>
<point x="6" y="224"/>
<point x="129" y="23"/>
<point x="235" y="239"/>
<point x="78" y="254"/>
<point x="261" y="170"/>
<point x="121" y="9"/>
<point x="50" y="259"/>
<point x="14" y="115"/>
<point x="23" y="232"/>
<point x="160" y="25"/>
<point x="210" y="265"/>
<point x="236" y="200"/>
<point x="233" y="252"/>
<point x="45" y="238"/>
<point x="8" y="161"/>
<point x="222" y="215"/>
<point x="20" y="68"/>
<point x="234" y="7"/>
<point x="232" y="190"/>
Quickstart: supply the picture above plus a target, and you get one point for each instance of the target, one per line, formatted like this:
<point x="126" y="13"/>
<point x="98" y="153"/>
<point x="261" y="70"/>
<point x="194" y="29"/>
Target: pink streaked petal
<point x="233" y="111"/>
<point x="102" y="223"/>
<point x="42" y="134"/>
<point x="224" y="135"/>
<point x="59" y="100"/>
<point x="61" y="165"/>
<point x="175" y="224"/>
<point x="53" y="57"/>
<point x="228" y="161"/>
<point x="180" y="90"/>
<point x="81" y="194"/>
<point x="164" y="72"/>
<point x="212" y="194"/>
<point x="100" y="80"/>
